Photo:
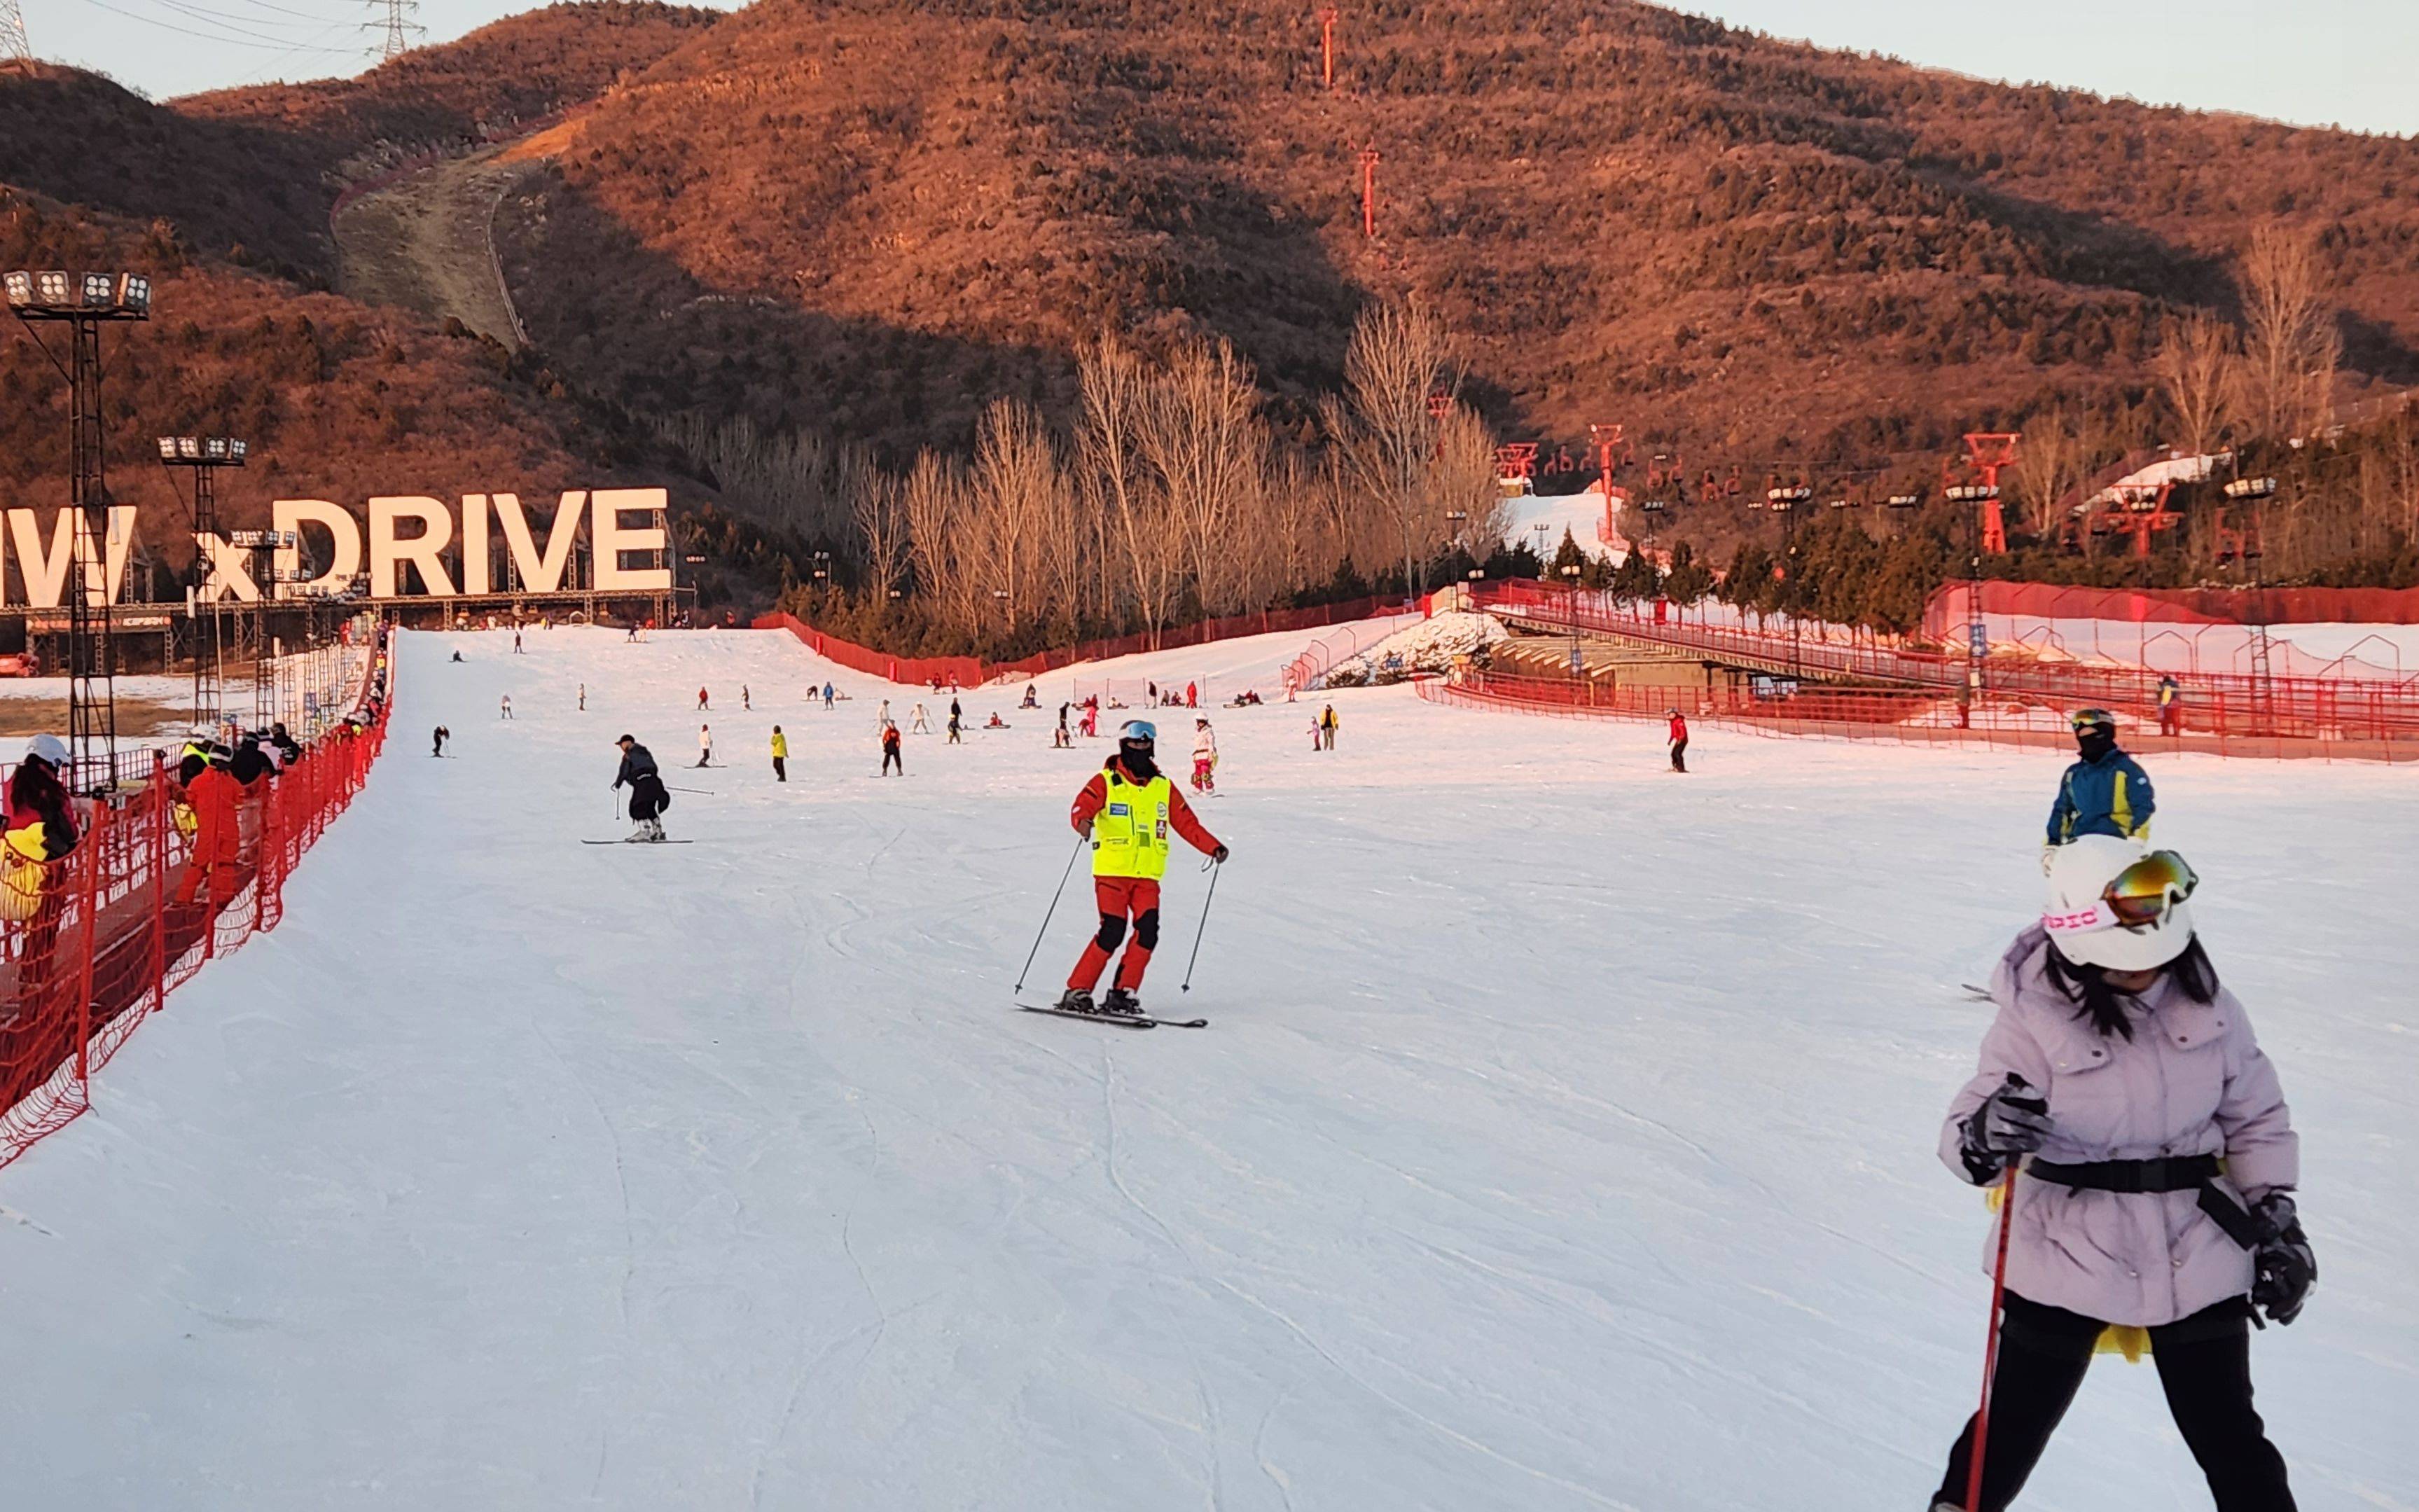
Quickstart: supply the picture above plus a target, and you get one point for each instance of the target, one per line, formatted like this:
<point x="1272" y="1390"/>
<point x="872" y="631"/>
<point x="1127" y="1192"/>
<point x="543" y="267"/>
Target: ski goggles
<point x="2084" y="718"/>
<point x="2140" y="897"/>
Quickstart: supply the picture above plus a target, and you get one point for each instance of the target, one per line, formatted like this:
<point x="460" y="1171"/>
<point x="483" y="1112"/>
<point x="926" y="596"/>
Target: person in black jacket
<point x="648" y="799"/>
<point x="250" y="764"/>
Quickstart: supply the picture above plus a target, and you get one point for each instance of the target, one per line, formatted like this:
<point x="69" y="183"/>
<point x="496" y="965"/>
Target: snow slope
<point x="1564" y="1138"/>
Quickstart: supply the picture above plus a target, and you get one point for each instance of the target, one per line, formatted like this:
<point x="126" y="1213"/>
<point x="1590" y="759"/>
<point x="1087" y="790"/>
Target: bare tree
<point x="1108" y="445"/>
<point x="2290" y="344"/>
<point x="1204" y="442"/>
<point x="1465" y="482"/>
<point x="2195" y="371"/>
<point x="2049" y="464"/>
<point x="882" y="522"/>
<point x="1385" y="434"/>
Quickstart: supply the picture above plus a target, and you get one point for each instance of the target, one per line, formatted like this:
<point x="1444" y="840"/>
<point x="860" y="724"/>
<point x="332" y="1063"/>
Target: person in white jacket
<point x="1204" y="757"/>
<point x="705" y="745"/>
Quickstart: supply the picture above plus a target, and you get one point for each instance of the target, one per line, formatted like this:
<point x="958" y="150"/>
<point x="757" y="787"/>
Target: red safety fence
<point x="94" y="941"/>
<point x="1949" y="609"/>
<point x="1907" y="715"/>
<point x="2322" y="707"/>
<point x="973" y="672"/>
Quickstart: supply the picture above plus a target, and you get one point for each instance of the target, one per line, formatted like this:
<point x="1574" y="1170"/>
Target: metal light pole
<point x="2263" y="686"/>
<point x="83" y="303"/>
<point x="202" y="456"/>
<point x="1571" y="601"/>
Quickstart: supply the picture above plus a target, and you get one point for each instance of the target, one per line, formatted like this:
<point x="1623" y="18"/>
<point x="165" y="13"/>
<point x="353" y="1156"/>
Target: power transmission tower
<point x="12" y="32"/>
<point x="397" y="25"/>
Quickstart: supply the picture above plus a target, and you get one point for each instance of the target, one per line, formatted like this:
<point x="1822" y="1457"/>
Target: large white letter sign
<point x="609" y="540"/>
<point x="345" y="544"/>
<point x="45" y="572"/>
<point x="105" y="571"/>
<point x="541" y="573"/>
<point x="230" y="571"/>
<point x="425" y="551"/>
<point x="474" y="543"/>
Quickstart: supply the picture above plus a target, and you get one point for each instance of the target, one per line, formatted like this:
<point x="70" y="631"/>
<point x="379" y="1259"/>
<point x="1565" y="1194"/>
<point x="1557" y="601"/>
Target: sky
<point x="2315" y="62"/>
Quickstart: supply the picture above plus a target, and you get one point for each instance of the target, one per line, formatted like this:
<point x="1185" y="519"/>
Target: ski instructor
<point x="1125" y="810"/>
<point x="648" y="799"/>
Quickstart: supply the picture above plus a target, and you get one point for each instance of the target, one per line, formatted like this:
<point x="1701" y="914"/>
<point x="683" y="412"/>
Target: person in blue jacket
<point x="2105" y="792"/>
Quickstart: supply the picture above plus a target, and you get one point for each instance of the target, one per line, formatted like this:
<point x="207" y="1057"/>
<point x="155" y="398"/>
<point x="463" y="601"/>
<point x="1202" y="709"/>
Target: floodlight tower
<point x="83" y="303"/>
<point x="12" y="33"/>
<point x="202" y="456"/>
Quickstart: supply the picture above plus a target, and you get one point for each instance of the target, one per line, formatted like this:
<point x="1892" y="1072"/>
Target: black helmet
<point x="624" y="740"/>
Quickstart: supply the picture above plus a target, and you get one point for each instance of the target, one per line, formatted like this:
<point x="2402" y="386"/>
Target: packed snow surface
<point x="1563" y="1138"/>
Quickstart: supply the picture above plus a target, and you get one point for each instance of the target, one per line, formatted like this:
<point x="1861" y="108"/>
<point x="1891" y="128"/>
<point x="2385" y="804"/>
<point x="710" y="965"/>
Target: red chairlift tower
<point x="2137" y="509"/>
<point x="1986" y="453"/>
<point x="1327" y="16"/>
<point x="1369" y="194"/>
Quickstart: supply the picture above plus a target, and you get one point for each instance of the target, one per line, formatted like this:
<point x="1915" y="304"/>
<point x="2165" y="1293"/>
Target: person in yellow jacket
<point x="780" y="755"/>
<point x="1126" y="810"/>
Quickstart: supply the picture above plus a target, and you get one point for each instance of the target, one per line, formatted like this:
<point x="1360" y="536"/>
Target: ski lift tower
<point x="1986" y="453"/>
<point x="203" y="456"/>
<point x="83" y="303"/>
<point x="2263" y="686"/>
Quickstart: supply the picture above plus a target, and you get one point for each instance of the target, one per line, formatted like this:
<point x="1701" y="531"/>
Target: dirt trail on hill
<point x="423" y="243"/>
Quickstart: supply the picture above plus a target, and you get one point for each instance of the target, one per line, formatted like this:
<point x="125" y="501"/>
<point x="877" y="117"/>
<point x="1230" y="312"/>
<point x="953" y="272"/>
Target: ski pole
<point x="1201" y="927"/>
<point x="1991" y="1341"/>
<point x="1046" y="915"/>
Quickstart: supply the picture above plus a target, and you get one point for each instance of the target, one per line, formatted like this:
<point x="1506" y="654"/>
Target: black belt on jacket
<point x="2170" y="1173"/>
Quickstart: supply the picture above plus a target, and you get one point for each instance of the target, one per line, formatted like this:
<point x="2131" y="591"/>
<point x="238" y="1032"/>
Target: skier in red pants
<point x="1126" y="810"/>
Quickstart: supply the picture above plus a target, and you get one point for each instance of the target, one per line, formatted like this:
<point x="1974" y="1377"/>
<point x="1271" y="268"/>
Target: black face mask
<point x="1137" y="763"/>
<point x="2095" y="742"/>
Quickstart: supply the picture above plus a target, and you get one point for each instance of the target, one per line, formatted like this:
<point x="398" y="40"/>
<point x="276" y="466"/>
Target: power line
<point x="277" y="45"/>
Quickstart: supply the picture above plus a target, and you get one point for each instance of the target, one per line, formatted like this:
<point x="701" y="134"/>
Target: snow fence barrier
<point x="1775" y="706"/>
<point x="973" y="672"/>
<point x="94" y="941"/>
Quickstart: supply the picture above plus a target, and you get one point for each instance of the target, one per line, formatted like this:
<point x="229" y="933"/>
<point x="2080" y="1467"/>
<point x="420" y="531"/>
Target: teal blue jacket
<point x="2109" y="796"/>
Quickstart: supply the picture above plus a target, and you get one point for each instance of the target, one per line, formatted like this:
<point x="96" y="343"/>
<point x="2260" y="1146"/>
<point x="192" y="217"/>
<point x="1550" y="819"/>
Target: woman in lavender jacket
<point x="2156" y="1154"/>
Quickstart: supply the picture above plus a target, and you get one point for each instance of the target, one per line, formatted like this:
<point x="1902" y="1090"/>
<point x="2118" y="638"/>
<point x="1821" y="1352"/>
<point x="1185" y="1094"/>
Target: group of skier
<point x="2140" y="1150"/>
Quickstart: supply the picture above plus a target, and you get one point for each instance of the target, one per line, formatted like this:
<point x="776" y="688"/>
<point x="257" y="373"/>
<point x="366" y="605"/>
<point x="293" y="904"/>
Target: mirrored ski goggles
<point x="2140" y="897"/>
<point x="2084" y="718"/>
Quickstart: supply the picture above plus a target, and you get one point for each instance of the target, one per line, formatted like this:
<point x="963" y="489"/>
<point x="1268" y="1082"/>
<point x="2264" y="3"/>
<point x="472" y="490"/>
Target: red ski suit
<point x="1119" y="898"/>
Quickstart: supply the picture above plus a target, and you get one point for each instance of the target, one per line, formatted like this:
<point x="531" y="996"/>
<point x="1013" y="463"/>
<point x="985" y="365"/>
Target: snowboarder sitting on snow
<point x="648" y="799"/>
<point x="1125" y="812"/>
<point x="995" y="722"/>
<point x="2105" y="792"/>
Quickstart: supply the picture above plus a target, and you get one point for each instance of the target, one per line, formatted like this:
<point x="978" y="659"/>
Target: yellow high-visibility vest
<point x="1129" y="833"/>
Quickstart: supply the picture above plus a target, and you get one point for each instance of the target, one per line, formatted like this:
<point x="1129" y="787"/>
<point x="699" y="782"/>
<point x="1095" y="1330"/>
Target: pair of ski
<point x="1130" y="1021"/>
<point x="633" y="839"/>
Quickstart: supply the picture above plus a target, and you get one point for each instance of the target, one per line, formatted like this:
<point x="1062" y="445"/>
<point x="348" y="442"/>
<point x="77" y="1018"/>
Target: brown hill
<point x="250" y="175"/>
<point x="875" y="215"/>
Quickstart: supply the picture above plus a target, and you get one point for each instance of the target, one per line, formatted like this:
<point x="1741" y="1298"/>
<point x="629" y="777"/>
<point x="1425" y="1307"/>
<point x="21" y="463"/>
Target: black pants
<point x="2204" y="1365"/>
<point x="890" y="760"/>
<point x="1680" y="754"/>
<point x="780" y="769"/>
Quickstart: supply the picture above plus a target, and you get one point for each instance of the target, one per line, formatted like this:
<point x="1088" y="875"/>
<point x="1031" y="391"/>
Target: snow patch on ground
<point x="1564" y="1138"/>
<point x="1427" y="646"/>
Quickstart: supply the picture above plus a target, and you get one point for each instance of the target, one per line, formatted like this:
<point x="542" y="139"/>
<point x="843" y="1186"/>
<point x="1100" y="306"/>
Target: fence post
<point x="88" y="887"/>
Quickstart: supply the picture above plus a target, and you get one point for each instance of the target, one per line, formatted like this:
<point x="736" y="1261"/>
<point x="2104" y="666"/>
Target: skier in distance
<point x="648" y="799"/>
<point x="1126" y="810"/>
<point x="1679" y="740"/>
<point x="1205" y="756"/>
<point x="2105" y="792"/>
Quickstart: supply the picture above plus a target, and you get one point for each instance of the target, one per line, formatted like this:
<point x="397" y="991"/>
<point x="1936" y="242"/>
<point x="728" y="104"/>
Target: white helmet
<point x="2088" y="931"/>
<point x="48" y="748"/>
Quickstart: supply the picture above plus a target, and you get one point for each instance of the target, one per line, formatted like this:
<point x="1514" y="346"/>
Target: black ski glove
<point x="1219" y="855"/>
<point x="2284" y="1269"/>
<point x="2006" y="1126"/>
